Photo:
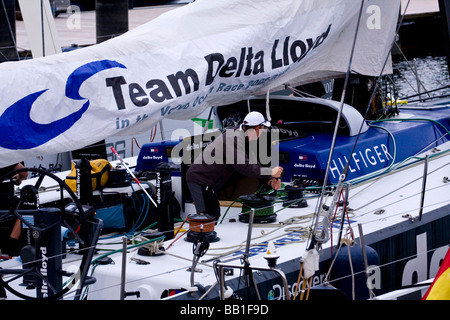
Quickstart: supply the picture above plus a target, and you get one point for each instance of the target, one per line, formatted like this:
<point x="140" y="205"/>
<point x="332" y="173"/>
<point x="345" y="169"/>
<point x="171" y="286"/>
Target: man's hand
<point x="275" y="183"/>
<point x="276" y="172"/>
<point x="17" y="179"/>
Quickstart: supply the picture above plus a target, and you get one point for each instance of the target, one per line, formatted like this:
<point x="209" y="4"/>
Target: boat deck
<point x="385" y="208"/>
<point x="382" y="208"/>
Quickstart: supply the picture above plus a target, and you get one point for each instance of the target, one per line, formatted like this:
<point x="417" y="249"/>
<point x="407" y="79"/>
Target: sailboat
<point x="368" y="191"/>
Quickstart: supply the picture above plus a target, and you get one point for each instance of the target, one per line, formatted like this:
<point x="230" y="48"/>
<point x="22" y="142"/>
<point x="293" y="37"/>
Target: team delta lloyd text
<point x="247" y="62"/>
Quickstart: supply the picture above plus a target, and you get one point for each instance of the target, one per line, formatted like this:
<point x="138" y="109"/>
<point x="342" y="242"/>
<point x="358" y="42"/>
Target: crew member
<point x="10" y="228"/>
<point x="224" y="156"/>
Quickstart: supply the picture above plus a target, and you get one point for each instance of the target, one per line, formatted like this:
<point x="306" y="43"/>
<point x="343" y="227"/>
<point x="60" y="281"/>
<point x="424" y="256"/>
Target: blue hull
<point x="304" y="148"/>
<point x="386" y="143"/>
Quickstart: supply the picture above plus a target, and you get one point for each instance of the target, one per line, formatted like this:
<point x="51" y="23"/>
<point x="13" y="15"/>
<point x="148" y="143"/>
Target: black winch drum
<point x="263" y="206"/>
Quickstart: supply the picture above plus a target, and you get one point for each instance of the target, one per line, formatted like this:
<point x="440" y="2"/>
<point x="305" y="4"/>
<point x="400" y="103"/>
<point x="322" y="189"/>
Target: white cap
<point x="255" y="118"/>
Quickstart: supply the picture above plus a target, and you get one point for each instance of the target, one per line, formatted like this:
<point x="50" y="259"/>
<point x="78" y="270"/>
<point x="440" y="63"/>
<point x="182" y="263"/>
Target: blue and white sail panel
<point x="207" y="53"/>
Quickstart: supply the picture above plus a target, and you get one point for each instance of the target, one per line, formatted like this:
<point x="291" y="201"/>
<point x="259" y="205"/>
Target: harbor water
<point x="424" y="73"/>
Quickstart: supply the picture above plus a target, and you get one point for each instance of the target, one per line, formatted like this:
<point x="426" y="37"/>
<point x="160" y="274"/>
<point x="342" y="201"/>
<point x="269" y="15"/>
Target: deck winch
<point x="263" y="206"/>
<point x="201" y="228"/>
<point x="295" y="195"/>
<point x="154" y="248"/>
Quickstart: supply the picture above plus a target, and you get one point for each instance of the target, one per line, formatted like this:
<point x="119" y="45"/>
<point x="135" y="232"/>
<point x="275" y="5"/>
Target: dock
<point x="421" y="33"/>
<point x="79" y="28"/>
<point x="419" y="8"/>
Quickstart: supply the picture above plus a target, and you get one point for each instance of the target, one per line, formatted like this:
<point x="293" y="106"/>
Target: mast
<point x="8" y="49"/>
<point x="111" y="18"/>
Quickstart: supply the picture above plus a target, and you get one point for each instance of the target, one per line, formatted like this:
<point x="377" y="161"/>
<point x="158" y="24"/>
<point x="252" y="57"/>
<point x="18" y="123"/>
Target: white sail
<point x="206" y="53"/>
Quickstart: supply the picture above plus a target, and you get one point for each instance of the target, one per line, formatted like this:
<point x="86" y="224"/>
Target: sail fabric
<point x="440" y="287"/>
<point x="206" y="53"/>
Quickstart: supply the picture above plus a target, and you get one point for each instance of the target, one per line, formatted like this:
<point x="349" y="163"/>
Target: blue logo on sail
<point x="18" y="131"/>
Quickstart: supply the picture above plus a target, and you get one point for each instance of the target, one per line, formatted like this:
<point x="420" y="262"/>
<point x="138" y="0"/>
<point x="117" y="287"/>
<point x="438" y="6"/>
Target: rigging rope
<point x="316" y="240"/>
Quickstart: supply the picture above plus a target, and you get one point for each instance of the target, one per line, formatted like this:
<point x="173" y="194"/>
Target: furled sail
<point x="207" y="53"/>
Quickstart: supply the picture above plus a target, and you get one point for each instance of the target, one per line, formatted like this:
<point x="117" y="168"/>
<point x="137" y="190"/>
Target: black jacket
<point x="220" y="159"/>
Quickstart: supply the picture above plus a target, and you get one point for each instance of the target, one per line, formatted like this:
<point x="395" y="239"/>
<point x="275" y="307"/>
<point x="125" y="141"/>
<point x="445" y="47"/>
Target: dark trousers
<point x="205" y="199"/>
<point x="9" y="245"/>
